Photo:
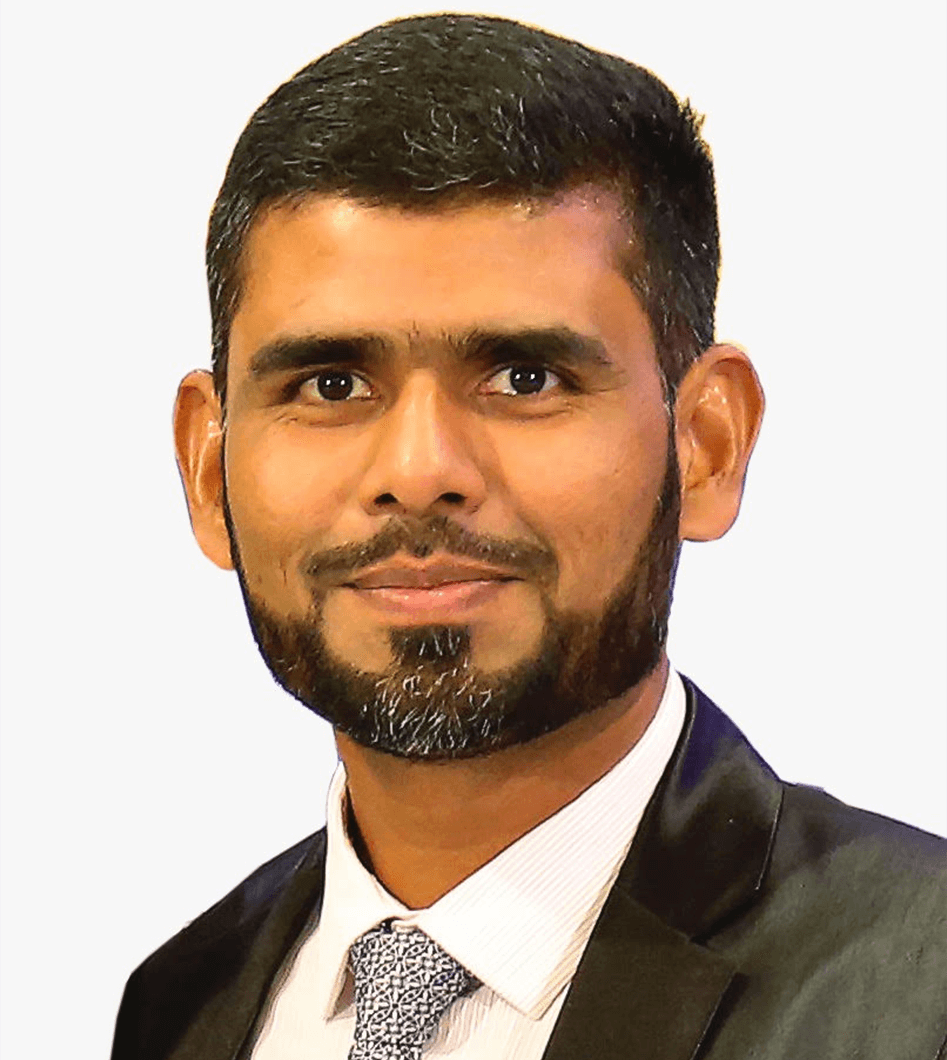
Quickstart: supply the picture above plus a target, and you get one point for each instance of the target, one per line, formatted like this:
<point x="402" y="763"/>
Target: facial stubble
<point x="431" y="703"/>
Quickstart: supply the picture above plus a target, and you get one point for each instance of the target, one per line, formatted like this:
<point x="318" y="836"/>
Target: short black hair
<point x="423" y="113"/>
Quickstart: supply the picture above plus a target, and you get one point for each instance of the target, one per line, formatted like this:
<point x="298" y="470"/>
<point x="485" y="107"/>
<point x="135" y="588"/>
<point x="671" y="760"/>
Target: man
<point x="465" y="405"/>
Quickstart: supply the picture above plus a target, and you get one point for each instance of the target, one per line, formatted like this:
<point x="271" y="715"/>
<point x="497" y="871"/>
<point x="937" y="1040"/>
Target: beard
<point x="431" y="703"/>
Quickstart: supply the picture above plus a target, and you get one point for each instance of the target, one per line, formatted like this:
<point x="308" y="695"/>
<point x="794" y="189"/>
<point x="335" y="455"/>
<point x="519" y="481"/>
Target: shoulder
<point x="809" y="829"/>
<point x="816" y="825"/>
<point x="833" y="918"/>
<point x="864" y="871"/>
<point x="165" y="993"/>
<point x="242" y="909"/>
<point x="844" y="950"/>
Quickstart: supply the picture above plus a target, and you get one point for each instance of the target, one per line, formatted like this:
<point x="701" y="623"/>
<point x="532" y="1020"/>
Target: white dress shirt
<point x="519" y="924"/>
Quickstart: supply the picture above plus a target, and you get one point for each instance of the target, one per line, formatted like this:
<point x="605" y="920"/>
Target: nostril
<point x="389" y="500"/>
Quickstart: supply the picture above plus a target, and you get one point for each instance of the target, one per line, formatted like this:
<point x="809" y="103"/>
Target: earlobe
<point x="719" y="410"/>
<point x="198" y="443"/>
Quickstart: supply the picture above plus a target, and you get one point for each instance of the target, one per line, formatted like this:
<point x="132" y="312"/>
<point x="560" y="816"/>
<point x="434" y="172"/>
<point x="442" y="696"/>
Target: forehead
<point x="333" y="265"/>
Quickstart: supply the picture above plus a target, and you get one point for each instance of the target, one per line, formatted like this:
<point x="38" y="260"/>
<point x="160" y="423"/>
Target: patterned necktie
<point x="404" y="983"/>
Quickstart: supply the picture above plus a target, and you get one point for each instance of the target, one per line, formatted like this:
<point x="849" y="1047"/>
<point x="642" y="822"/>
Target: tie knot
<point x="404" y="983"/>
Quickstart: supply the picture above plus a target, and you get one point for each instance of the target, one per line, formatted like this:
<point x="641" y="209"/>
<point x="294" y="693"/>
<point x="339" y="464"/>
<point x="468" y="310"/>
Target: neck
<point x="423" y="827"/>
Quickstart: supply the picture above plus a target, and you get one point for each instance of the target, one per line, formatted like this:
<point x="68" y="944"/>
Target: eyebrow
<point x="314" y="351"/>
<point x="560" y="345"/>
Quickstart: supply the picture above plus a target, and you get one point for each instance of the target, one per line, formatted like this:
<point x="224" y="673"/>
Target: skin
<point x="577" y="468"/>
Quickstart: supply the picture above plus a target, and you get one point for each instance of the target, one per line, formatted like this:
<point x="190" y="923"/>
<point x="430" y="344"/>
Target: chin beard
<point x="432" y="704"/>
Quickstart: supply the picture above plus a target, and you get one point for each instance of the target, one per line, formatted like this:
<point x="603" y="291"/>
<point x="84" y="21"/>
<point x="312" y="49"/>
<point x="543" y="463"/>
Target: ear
<point x="718" y="411"/>
<point x="199" y="444"/>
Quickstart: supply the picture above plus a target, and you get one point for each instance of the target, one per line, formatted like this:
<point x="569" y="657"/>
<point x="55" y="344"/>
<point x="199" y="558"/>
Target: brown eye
<point x="527" y="380"/>
<point x="335" y="385"/>
<point x="522" y="380"/>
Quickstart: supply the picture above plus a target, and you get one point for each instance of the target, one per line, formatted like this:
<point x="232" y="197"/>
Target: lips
<point x="402" y="575"/>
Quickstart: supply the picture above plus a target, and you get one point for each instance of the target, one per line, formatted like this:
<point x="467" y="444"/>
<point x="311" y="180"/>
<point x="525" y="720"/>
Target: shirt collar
<point x="354" y="901"/>
<point x="521" y="922"/>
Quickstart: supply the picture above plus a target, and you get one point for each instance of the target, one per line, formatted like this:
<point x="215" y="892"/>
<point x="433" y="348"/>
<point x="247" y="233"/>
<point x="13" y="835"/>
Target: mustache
<point x="423" y="538"/>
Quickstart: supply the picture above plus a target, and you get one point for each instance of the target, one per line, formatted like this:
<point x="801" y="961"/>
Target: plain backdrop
<point x="149" y="762"/>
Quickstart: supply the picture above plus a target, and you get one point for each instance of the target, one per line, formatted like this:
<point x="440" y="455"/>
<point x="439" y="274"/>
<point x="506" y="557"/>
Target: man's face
<point x="450" y="482"/>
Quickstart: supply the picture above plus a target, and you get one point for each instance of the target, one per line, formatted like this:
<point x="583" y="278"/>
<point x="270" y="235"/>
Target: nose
<point x="423" y="462"/>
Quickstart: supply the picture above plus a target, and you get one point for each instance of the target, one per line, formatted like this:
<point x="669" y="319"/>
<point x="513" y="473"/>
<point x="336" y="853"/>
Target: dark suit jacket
<point x="751" y="919"/>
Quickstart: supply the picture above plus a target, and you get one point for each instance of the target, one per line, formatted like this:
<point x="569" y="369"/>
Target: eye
<point x="335" y="385"/>
<point x="521" y="380"/>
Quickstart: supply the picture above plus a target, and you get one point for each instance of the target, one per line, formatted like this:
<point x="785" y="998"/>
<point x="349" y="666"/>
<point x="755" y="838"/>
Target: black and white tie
<point x="404" y="983"/>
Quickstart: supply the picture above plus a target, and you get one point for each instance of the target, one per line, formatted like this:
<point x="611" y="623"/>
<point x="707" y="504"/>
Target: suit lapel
<point x="705" y="840"/>
<point x="227" y="1023"/>
<point x="641" y="990"/>
<point x="646" y="985"/>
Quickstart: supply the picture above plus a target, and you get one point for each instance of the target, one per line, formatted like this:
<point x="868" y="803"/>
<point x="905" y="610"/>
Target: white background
<point x="149" y="762"/>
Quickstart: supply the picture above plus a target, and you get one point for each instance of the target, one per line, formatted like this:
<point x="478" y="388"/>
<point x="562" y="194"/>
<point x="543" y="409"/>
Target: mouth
<point x="445" y="590"/>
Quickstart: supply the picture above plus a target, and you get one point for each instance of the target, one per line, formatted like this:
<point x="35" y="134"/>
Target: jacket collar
<point x="645" y="984"/>
<point x="272" y="915"/>
<point x="704" y="843"/>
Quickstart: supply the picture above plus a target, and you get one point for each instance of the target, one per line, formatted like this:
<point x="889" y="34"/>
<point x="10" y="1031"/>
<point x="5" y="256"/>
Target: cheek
<point x="591" y="494"/>
<point x="284" y="494"/>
